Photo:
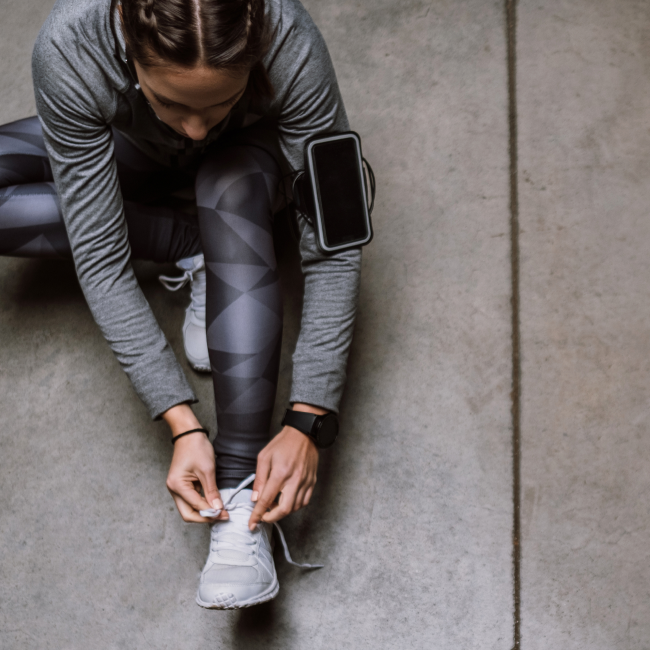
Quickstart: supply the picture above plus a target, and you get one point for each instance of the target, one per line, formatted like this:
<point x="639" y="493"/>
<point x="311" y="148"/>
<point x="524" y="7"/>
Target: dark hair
<point x="220" y="34"/>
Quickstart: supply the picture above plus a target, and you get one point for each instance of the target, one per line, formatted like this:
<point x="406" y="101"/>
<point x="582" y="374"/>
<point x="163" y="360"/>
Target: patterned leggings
<point x="235" y="191"/>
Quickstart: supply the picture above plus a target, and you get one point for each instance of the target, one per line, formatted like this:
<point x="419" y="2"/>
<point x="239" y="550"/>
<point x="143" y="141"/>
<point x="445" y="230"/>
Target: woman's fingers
<point x="192" y="470"/>
<point x="307" y="498"/>
<point x="300" y="497"/>
<point x="286" y="465"/>
<point x="261" y="475"/>
<point x="297" y="504"/>
<point x="209" y="485"/>
<point x="188" y="507"/>
<point x="285" y="504"/>
<point x="188" y="513"/>
<point x="187" y="492"/>
<point x="266" y="499"/>
<point x="214" y="499"/>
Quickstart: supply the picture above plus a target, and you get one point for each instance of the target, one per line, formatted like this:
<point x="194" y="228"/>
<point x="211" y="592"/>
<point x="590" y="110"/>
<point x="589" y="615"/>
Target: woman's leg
<point x="31" y="224"/>
<point x="235" y="192"/>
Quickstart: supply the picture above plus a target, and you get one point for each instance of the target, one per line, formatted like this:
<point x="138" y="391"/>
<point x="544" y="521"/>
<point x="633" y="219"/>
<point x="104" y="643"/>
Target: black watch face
<point x="328" y="431"/>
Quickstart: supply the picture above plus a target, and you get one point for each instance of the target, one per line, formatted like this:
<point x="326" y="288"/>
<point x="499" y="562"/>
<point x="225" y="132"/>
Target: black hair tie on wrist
<point x="187" y="433"/>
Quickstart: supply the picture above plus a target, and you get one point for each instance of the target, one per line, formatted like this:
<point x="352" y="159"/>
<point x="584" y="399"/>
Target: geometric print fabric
<point x="235" y="192"/>
<point x="31" y="224"/>
<point x="235" y="189"/>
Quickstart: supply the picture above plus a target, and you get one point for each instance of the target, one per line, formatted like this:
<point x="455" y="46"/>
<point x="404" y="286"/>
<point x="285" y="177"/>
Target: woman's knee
<point x="240" y="180"/>
<point x="31" y="222"/>
<point x="23" y="157"/>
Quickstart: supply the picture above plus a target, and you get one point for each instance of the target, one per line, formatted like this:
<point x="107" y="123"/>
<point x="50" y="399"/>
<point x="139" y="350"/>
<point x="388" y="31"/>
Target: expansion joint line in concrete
<point x="511" y="37"/>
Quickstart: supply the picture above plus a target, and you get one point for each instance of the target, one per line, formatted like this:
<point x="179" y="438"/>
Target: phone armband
<point x="332" y="192"/>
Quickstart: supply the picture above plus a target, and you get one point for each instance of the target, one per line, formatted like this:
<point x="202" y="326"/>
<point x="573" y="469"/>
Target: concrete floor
<point x="584" y="155"/>
<point x="413" y="512"/>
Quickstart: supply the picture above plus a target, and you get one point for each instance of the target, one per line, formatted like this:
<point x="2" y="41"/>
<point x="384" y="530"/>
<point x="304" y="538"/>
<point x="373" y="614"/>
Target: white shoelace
<point x="197" y="280"/>
<point x="232" y="506"/>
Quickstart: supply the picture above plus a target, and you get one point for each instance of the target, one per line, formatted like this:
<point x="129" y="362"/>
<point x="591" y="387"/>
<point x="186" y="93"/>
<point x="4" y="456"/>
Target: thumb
<point x="212" y="496"/>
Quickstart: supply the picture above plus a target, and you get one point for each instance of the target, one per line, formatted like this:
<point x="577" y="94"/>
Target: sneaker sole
<point x="198" y="367"/>
<point x="198" y="364"/>
<point x="230" y="602"/>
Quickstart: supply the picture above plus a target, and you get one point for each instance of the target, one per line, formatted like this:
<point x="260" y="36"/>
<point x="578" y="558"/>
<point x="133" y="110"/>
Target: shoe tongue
<point x="232" y="554"/>
<point x="239" y="520"/>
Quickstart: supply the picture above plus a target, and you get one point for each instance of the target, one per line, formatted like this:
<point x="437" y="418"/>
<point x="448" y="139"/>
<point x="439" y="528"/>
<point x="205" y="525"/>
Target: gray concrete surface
<point x="412" y="516"/>
<point x="584" y="157"/>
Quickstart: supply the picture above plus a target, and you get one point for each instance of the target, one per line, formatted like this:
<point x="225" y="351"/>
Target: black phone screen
<point x="340" y="191"/>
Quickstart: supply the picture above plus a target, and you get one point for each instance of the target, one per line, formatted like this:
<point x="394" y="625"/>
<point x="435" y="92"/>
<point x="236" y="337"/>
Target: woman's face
<point x="191" y="101"/>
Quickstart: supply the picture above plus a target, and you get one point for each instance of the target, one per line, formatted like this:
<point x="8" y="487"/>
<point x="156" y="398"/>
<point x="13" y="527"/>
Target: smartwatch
<point x="322" y="429"/>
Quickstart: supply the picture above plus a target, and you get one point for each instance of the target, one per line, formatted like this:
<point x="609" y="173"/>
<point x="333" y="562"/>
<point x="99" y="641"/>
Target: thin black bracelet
<point x="187" y="433"/>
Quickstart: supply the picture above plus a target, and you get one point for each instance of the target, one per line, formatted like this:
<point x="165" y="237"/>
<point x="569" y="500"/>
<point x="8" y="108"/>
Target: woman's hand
<point x="192" y="468"/>
<point x="287" y="465"/>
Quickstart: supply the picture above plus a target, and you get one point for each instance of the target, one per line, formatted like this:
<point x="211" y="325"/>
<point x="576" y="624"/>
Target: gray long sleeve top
<point x="82" y="90"/>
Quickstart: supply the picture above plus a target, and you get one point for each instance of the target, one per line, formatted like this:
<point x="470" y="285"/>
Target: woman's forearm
<point x="181" y="418"/>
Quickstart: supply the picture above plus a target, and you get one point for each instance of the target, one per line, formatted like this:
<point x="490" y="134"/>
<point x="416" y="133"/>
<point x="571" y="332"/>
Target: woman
<point x="140" y="99"/>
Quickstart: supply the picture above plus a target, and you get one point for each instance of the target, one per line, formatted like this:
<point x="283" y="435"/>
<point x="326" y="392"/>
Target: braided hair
<point x="219" y="34"/>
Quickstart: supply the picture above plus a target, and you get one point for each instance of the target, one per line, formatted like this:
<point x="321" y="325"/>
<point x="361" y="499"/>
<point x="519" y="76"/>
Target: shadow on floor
<point x="42" y="280"/>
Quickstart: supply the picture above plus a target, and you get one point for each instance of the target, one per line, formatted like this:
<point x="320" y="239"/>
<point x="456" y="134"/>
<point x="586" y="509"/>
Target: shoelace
<point x="197" y="278"/>
<point x="229" y="507"/>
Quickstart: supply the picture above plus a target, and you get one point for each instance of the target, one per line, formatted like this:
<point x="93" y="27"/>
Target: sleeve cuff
<point x="160" y="383"/>
<point x="317" y="393"/>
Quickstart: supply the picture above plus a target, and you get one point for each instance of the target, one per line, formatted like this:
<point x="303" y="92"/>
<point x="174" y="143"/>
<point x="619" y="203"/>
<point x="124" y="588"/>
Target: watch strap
<point x="300" y="420"/>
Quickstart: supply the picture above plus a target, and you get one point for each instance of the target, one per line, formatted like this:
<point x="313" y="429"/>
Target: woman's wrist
<point x="309" y="408"/>
<point x="306" y="408"/>
<point x="181" y="418"/>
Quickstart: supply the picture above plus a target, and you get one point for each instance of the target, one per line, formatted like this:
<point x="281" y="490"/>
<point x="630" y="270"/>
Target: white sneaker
<point x="194" y="337"/>
<point x="240" y="571"/>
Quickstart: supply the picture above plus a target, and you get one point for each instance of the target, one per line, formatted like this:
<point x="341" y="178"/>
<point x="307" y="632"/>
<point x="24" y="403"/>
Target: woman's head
<point x="194" y="58"/>
<point x="219" y="34"/>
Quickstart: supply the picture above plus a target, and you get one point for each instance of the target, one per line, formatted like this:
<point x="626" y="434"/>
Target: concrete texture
<point x="413" y="512"/>
<point x="584" y="155"/>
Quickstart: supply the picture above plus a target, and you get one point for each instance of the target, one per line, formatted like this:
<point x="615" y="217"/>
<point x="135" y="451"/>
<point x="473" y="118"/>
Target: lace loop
<point x="174" y="284"/>
<point x="196" y="277"/>
<point x="229" y="507"/>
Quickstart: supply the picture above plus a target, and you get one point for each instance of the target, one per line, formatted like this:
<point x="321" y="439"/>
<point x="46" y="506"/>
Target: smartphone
<point x="336" y="189"/>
